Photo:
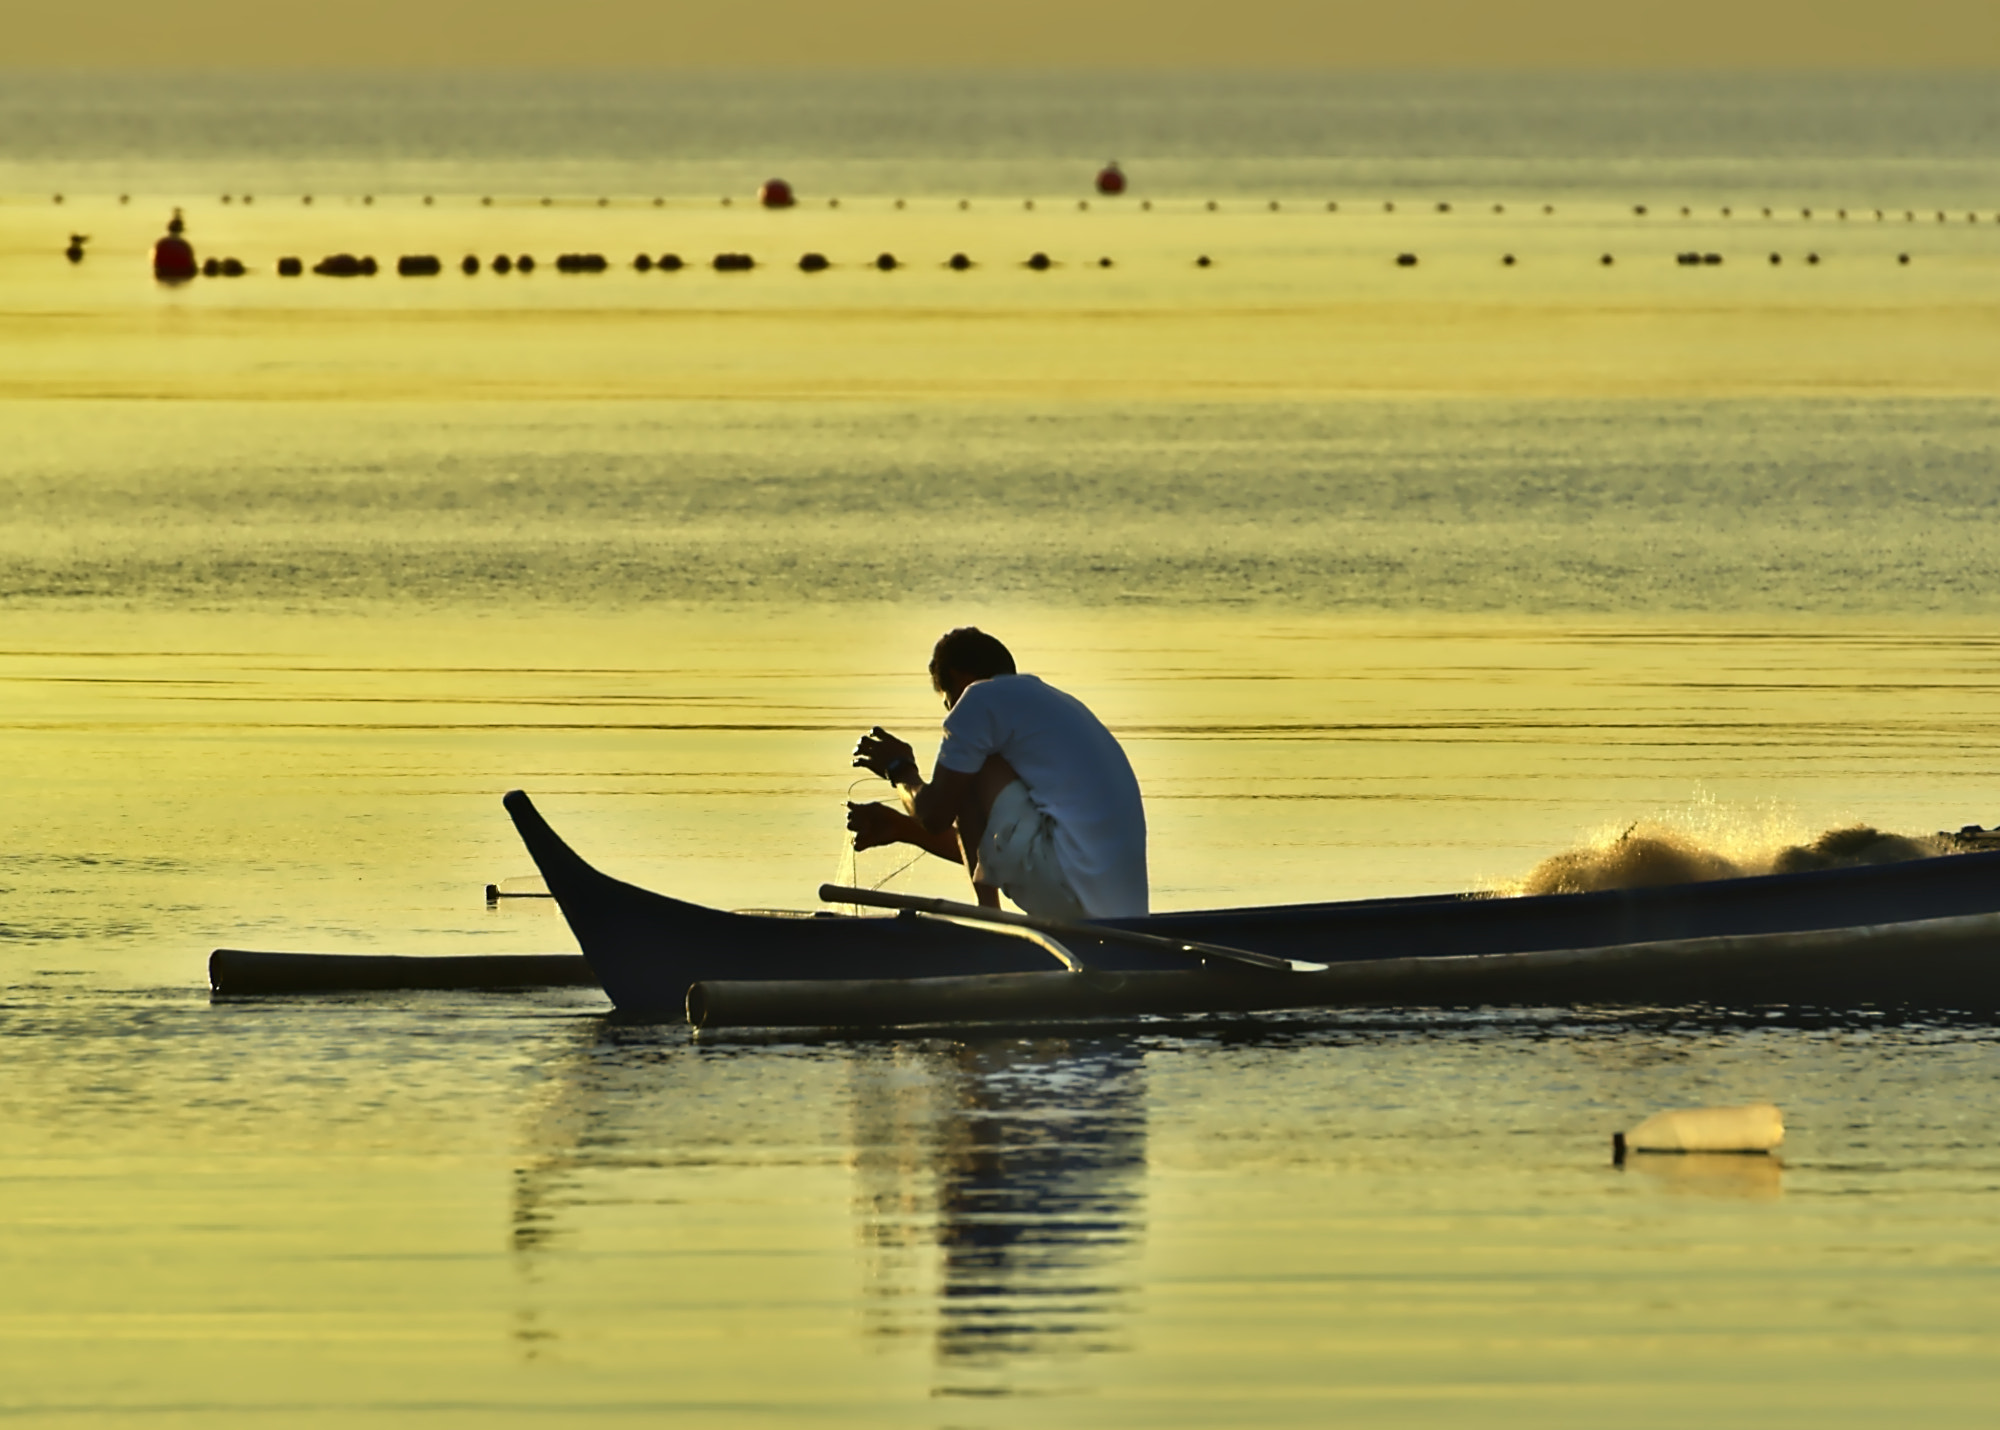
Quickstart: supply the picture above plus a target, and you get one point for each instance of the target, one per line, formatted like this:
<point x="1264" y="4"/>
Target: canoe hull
<point x="647" y="949"/>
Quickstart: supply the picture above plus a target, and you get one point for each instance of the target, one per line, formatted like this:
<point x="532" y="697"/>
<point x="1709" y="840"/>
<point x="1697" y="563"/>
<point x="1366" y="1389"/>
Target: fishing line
<point x="847" y="869"/>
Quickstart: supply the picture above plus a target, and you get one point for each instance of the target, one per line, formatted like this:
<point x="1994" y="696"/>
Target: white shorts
<point x="1018" y="854"/>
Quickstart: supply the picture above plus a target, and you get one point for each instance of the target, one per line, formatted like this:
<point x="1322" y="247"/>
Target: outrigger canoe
<point x="1924" y="931"/>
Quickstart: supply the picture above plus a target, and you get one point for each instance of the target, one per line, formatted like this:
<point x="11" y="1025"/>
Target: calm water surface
<point x="1392" y="580"/>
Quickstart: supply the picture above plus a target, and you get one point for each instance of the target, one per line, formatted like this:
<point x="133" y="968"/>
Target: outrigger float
<point x="1921" y="932"/>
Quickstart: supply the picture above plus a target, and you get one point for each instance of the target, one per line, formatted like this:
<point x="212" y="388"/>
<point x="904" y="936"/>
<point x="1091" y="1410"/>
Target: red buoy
<point x="1111" y="179"/>
<point x="173" y="256"/>
<point x="775" y="194"/>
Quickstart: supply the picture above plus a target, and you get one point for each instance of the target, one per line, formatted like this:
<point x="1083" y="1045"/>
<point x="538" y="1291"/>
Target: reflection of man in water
<point x="1031" y="793"/>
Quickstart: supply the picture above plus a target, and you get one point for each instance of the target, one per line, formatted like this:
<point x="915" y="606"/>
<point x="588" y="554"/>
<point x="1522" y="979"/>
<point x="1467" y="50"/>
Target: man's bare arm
<point x="877" y="824"/>
<point x="937" y="802"/>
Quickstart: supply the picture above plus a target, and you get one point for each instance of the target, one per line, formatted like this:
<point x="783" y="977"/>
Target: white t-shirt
<point x="1076" y="774"/>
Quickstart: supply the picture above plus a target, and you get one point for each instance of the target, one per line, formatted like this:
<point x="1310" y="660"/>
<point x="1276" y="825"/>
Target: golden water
<point x="1392" y="580"/>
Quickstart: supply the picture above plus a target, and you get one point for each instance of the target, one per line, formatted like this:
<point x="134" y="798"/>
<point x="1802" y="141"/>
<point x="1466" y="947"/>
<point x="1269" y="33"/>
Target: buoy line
<point x="777" y="193"/>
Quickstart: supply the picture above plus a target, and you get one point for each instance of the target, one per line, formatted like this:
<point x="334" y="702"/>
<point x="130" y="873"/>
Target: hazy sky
<point x="1085" y="33"/>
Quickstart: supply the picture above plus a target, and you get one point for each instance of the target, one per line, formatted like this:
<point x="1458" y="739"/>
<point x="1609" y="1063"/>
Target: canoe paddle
<point x="1057" y="928"/>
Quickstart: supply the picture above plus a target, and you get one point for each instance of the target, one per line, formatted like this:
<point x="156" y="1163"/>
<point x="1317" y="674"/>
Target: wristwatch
<point x="890" y="773"/>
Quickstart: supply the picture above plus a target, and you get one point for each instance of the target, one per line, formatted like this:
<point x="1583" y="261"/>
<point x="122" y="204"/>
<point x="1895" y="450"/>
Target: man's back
<point x="1075" y="772"/>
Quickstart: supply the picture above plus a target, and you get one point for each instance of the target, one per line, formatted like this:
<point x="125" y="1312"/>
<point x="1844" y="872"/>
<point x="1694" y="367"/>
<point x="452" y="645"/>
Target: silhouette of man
<point x="1031" y="793"/>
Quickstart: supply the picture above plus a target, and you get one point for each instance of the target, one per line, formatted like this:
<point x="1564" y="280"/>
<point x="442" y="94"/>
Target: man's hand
<point x="880" y="753"/>
<point x="877" y="824"/>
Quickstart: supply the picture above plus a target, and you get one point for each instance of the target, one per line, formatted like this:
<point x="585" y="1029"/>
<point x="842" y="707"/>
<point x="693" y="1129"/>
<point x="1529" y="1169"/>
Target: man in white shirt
<point x="1031" y="793"/>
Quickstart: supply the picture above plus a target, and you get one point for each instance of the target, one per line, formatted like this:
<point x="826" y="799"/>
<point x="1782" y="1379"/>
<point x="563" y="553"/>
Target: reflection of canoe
<point x="648" y="949"/>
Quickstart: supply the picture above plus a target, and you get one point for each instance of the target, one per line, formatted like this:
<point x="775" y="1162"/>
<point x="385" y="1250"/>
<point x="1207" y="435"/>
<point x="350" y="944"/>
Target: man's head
<point x="964" y="655"/>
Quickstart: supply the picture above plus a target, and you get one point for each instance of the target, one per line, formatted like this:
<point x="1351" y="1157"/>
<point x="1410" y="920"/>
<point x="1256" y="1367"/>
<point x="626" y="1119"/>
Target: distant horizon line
<point x="782" y="69"/>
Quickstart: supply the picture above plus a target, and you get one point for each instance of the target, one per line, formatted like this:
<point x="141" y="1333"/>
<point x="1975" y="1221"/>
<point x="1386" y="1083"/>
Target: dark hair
<point x="969" y="651"/>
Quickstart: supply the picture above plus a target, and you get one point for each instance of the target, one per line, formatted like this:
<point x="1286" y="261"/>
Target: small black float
<point x="1274" y="205"/>
<point x="643" y="262"/>
<point x="418" y="265"/>
<point x="1711" y="260"/>
<point x="1103" y="263"/>
<point x="581" y="263"/>
<point x="885" y="262"/>
<point x="74" y="253"/>
<point x="344" y="265"/>
<point x="1812" y="258"/>
<point x="958" y="263"/>
<point x="211" y="268"/>
<point x="486" y="202"/>
<point x="1038" y="261"/>
<point x="1332" y="207"/>
<point x="1606" y="259"/>
<point x="1083" y="203"/>
<point x="1111" y="179"/>
<point x="428" y="200"/>
<point x="502" y="264"/>
<point x="469" y="264"/>
<point x="813" y="263"/>
<point x="671" y="263"/>
<point x="290" y="267"/>
<point x="734" y="263"/>
<point x="1204" y="261"/>
<point x="58" y="198"/>
<point x="1506" y="260"/>
<point x="1903" y="258"/>
<point x="1639" y="209"/>
<point x="526" y="263"/>
<point x="1443" y="207"/>
<point x="1776" y="260"/>
<point x="1406" y="260"/>
<point x="233" y="268"/>
<point x="775" y="194"/>
<point x="899" y="203"/>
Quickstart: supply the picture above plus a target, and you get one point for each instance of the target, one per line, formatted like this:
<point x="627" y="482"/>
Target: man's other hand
<point x="879" y="752"/>
<point x="877" y="824"/>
